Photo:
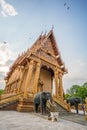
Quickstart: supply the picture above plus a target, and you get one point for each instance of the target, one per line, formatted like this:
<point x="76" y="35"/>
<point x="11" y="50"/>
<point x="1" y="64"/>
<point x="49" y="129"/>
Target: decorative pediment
<point x="46" y="48"/>
<point x="46" y="55"/>
<point x="47" y="45"/>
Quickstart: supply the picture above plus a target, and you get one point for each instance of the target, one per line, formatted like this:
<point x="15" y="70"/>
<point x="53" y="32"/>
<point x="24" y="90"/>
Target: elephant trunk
<point x="51" y="105"/>
<point x="50" y="101"/>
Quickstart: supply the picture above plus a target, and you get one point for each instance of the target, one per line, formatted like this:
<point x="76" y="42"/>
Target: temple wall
<point x="24" y="80"/>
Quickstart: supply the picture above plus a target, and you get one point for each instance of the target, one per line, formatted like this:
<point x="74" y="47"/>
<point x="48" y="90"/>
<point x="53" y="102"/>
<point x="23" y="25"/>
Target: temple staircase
<point x="59" y="105"/>
<point x="26" y="104"/>
<point x="17" y="102"/>
<point x="10" y="102"/>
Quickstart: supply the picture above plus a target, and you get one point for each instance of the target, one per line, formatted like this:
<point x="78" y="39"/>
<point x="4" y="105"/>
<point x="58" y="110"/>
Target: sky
<point x="22" y="21"/>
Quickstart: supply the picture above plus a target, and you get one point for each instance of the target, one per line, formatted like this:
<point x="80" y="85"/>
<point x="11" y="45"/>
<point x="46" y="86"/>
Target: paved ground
<point x="77" y="118"/>
<point x="12" y="120"/>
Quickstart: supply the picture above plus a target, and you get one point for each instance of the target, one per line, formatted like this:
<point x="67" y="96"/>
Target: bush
<point x="1" y="91"/>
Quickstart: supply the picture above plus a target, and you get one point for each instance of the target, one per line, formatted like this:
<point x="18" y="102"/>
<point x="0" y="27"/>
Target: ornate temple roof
<point x="22" y="59"/>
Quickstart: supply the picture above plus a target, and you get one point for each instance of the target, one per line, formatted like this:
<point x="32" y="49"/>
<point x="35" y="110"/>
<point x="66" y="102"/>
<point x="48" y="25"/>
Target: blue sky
<point x="22" y="21"/>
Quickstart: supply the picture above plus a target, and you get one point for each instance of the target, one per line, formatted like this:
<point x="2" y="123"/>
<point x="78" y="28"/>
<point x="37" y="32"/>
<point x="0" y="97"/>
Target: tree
<point x="77" y="91"/>
<point x="73" y="90"/>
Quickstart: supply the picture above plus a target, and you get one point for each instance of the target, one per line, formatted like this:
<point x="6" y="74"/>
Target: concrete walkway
<point x="12" y="120"/>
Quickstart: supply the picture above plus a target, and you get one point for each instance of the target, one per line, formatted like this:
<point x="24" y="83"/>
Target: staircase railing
<point x="11" y="98"/>
<point x="60" y="102"/>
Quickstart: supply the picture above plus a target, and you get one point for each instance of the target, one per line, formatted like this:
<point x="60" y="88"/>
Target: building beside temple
<point x="40" y="68"/>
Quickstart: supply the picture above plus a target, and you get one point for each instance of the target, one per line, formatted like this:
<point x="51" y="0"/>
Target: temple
<point x="40" y="68"/>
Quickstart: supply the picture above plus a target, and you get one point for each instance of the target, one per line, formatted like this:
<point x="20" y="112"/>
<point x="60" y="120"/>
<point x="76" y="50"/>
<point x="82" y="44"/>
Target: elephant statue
<point x="74" y="102"/>
<point x="41" y="99"/>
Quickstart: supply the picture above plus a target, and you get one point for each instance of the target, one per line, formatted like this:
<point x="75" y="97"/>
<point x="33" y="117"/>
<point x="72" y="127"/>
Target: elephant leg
<point x="36" y="107"/>
<point x="83" y="108"/>
<point x="76" y="106"/>
<point x="43" y="108"/>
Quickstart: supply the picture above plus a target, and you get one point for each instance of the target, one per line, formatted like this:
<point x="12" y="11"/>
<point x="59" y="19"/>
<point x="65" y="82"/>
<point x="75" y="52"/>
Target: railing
<point x="50" y="105"/>
<point x="60" y="102"/>
<point x="11" y="98"/>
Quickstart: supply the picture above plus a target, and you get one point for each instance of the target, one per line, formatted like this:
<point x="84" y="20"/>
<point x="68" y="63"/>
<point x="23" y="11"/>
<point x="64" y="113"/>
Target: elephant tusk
<point x="50" y="103"/>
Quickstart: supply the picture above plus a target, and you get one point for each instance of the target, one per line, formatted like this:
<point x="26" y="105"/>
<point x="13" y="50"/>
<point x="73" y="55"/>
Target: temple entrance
<point x="45" y="82"/>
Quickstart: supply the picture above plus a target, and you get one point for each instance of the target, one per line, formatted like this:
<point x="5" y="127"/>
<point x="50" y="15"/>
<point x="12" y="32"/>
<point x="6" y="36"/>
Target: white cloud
<point x="7" y="9"/>
<point x="4" y="69"/>
<point x="1" y="81"/>
<point x="5" y="60"/>
<point x="77" y="74"/>
<point x="2" y="84"/>
<point x="77" y="69"/>
<point x="3" y="14"/>
<point x="5" y="53"/>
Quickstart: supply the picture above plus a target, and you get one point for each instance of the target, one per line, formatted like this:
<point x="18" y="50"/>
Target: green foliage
<point x="1" y="91"/>
<point x="77" y="91"/>
<point x="67" y="95"/>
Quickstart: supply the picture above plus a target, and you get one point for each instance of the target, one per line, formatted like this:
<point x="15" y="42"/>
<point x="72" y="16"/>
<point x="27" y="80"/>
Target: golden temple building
<point x="38" y="69"/>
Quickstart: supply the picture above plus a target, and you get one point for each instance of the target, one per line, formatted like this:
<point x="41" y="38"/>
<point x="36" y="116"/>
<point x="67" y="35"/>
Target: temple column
<point x="5" y="90"/>
<point x="22" y="70"/>
<point x="9" y="88"/>
<point x="29" y="76"/>
<point x="36" y="77"/>
<point x="61" y="92"/>
<point x="56" y="82"/>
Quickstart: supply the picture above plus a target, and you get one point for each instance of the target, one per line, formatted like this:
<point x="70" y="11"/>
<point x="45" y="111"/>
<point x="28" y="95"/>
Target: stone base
<point x="26" y="105"/>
